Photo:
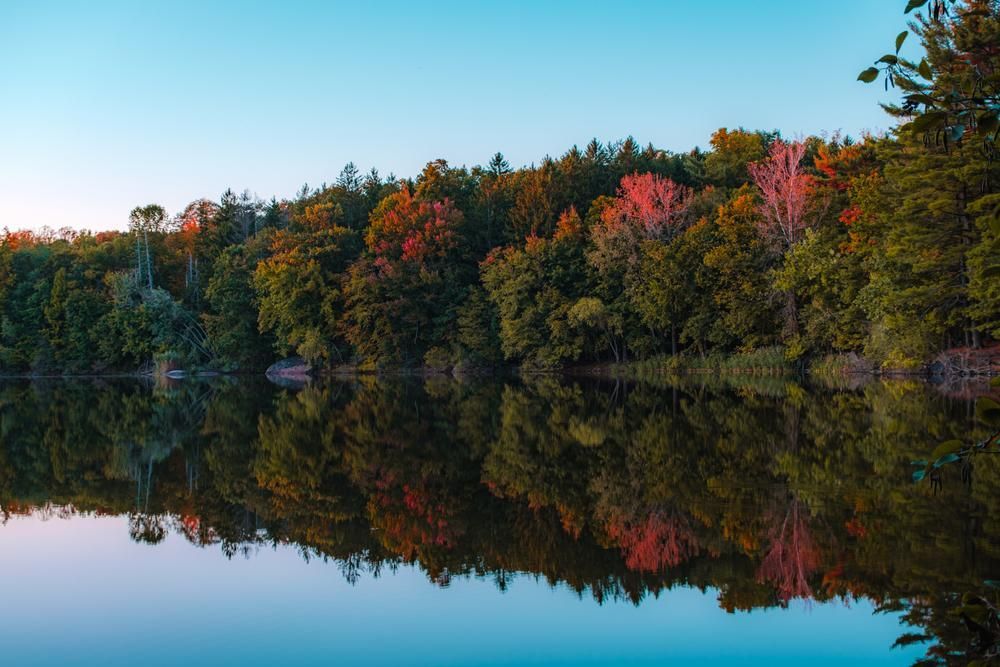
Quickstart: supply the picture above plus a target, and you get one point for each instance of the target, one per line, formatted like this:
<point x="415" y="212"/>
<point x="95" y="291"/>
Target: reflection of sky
<point x="79" y="592"/>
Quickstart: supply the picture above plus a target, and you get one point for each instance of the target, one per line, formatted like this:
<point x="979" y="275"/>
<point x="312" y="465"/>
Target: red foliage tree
<point x="786" y="191"/>
<point x="405" y="229"/>
<point x="651" y="203"/>
<point x="646" y="207"/>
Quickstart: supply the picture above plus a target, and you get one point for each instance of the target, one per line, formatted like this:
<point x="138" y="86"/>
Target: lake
<point x="537" y="520"/>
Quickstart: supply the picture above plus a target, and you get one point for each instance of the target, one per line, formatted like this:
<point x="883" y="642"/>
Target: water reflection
<point x="767" y="492"/>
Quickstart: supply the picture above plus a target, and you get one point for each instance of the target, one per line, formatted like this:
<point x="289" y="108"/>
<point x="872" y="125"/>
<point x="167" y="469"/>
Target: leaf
<point x="946" y="459"/>
<point x="911" y="638"/>
<point x="919" y="475"/>
<point x="900" y="38"/>
<point x="914" y="4"/>
<point x="987" y="122"/>
<point x="976" y="611"/>
<point x="992" y="583"/>
<point x="921" y="98"/>
<point x="868" y="75"/>
<point x="924" y="70"/>
<point x="928" y="120"/>
<point x="888" y="59"/>
<point x="988" y="410"/>
<point x="971" y="598"/>
<point x="945" y="448"/>
<point x="995" y="382"/>
<point x="919" y="462"/>
<point x="957" y="132"/>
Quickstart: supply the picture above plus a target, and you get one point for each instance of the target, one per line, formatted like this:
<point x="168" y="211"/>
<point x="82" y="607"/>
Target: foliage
<point x="614" y="252"/>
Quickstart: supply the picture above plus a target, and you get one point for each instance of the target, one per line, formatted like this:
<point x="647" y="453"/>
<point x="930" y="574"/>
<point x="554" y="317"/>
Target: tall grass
<point x="762" y="361"/>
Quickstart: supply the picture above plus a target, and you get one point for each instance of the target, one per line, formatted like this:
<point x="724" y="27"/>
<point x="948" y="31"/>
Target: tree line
<point x="884" y="246"/>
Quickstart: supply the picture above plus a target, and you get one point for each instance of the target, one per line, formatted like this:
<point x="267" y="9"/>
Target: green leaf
<point x="927" y="121"/>
<point x="921" y="98"/>
<point x="919" y="475"/>
<point x="976" y="611"/>
<point x="988" y="410"/>
<point x="868" y="75"/>
<point x="919" y="462"/>
<point x="971" y="598"/>
<point x="957" y="132"/>
<point x="914" y="4"/>
<point x="888" y="59"/>
<point x="924" y="70"/>
<point x="946" y="459"/>
<point x="987" y="122"/>
<point x="945" y="448"/>
<point x="995" y="382"/>
<point x="900" y="38"/>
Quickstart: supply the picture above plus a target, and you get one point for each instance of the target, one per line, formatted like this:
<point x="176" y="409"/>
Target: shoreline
<point x="624" y="370"/>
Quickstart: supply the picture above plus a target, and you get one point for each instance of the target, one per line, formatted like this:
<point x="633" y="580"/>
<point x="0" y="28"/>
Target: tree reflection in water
<point x="766" y="491"/>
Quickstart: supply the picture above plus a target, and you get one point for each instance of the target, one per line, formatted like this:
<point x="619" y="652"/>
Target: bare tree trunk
<point x="149" y="261"/>
<point x="791" y="313"/>
<point x="138" y="259"/>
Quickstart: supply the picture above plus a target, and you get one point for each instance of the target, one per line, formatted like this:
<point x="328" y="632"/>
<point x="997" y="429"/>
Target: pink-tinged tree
<point x="786" y="191"/>
<point x="793" y="557"/>
<point x="646" y="207"/>
<point x="660" y="540"/>
<point x="654" y="204"/>
<point x="399" y="297"/>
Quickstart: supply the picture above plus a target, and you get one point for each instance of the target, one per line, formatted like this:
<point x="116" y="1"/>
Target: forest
<point x="885" y="247"/>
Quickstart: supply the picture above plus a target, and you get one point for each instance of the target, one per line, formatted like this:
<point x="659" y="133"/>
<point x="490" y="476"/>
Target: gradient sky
<point x="106" y="105"/>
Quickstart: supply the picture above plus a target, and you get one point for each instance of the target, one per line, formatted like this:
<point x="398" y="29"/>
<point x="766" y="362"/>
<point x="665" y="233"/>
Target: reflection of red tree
<point x="661" y="540"/>
<point x="195" y="530"/>
<point x="792" y="558"/>
<point x="411" y="517"/>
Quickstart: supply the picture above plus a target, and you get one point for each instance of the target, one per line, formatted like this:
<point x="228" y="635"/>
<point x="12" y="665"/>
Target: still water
<point x="487" y="522"/>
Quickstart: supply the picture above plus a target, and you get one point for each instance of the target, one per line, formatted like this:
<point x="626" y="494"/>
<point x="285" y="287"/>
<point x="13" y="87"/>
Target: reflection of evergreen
<point x="615" y="490"/>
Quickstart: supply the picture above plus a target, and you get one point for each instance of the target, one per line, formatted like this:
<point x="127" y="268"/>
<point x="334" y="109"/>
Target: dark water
<point x="531" y="521"/>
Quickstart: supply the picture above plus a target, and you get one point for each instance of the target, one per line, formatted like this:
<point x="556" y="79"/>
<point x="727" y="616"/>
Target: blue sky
<point x="107" y="105"/>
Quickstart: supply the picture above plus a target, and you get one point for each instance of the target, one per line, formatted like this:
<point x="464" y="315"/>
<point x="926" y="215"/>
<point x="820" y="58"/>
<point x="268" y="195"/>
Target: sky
<point x="108" y="105"/>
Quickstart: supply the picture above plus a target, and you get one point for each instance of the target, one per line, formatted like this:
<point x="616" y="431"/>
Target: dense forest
<point x="884" y="246"/>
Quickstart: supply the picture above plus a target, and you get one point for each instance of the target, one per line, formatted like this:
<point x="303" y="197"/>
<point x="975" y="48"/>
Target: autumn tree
<point x="400" y="295"/>
<point x="647" y="208"/>
<point x="785" y="189"/>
